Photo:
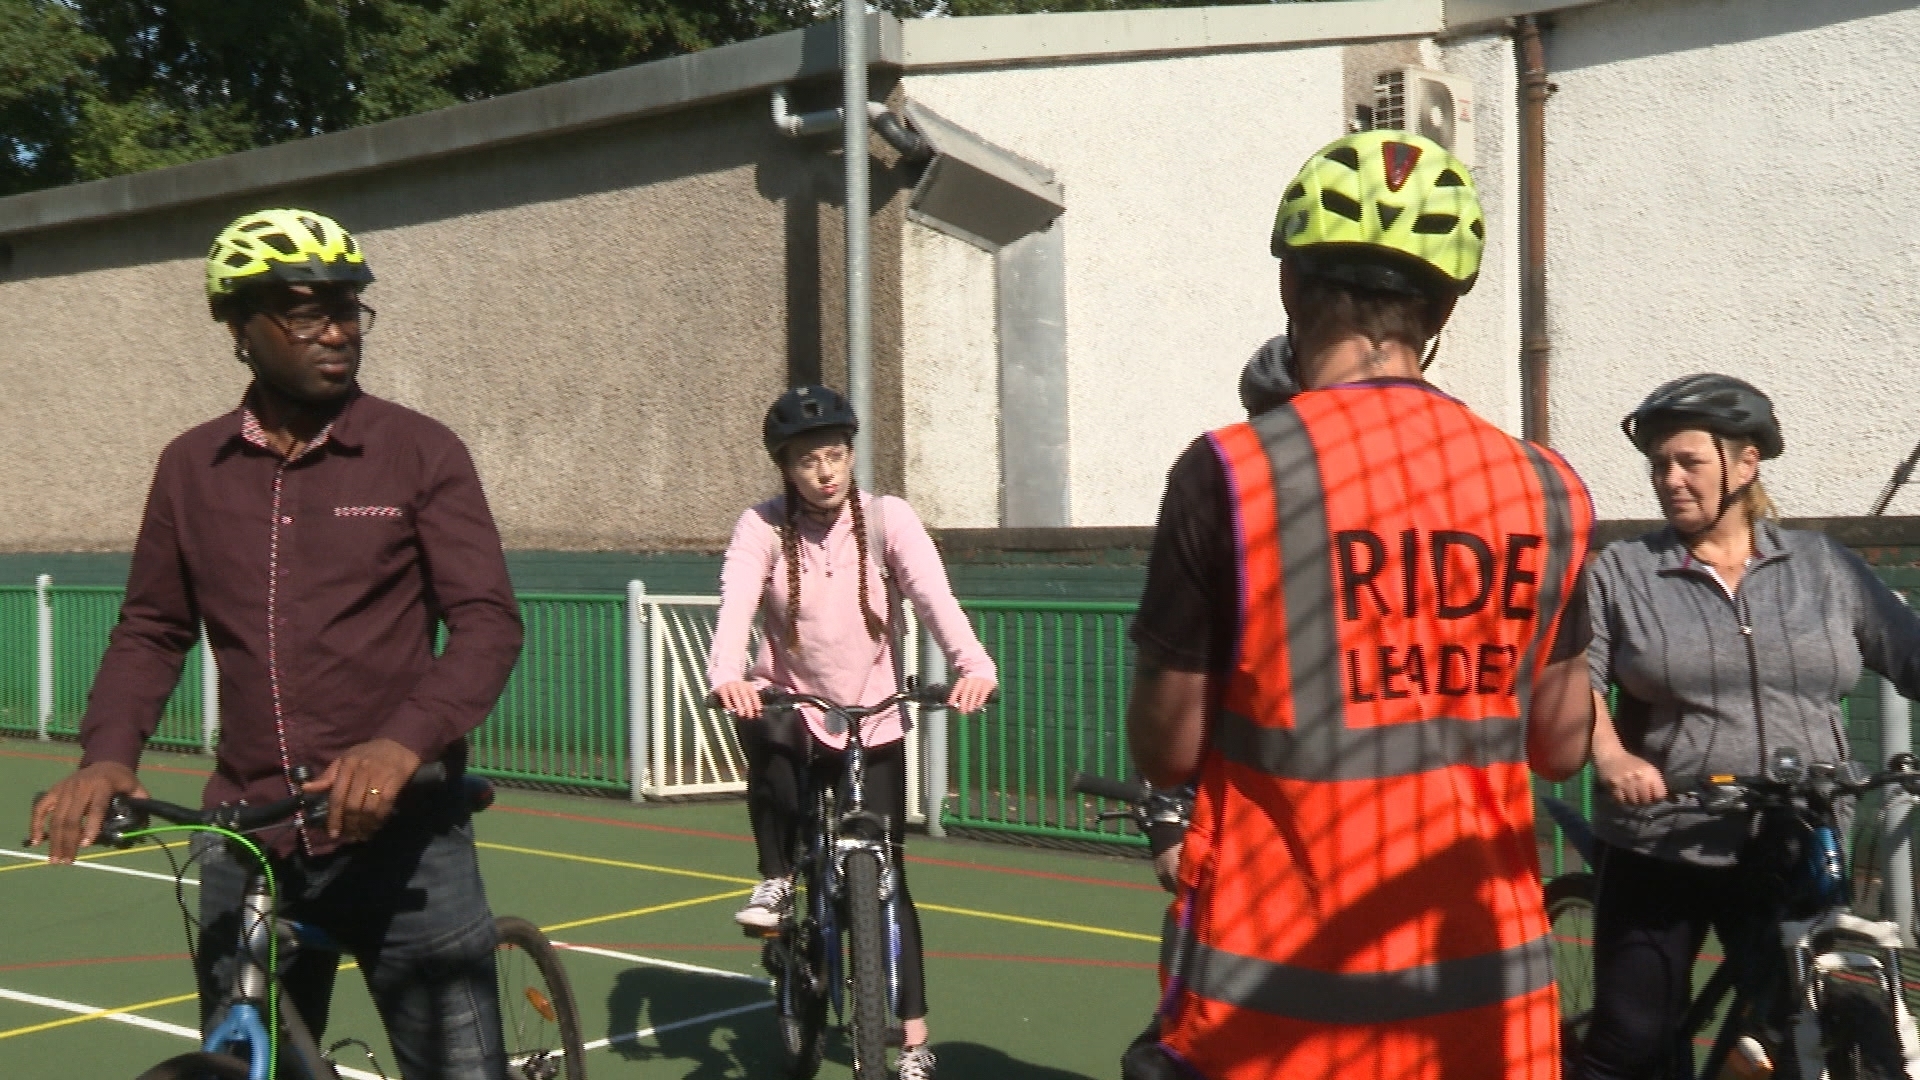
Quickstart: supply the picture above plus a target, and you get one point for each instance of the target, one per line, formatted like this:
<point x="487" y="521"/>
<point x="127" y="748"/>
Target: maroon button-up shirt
<point x="320" y="580"/>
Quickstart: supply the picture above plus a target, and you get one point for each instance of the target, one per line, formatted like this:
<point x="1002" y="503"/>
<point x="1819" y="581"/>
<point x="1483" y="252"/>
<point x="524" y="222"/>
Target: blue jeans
<point x="409" y="905"/>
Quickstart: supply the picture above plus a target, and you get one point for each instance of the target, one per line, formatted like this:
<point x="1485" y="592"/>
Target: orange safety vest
<point x="1360" y="890"/>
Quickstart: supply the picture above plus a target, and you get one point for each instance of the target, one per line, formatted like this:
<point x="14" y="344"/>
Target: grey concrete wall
<point x="603" y="316"/>
<point x="1729" y="188"/>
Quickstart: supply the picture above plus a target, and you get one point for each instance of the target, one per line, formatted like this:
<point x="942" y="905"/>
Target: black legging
<point x="1650" y="918"/>
<point x="778" y="747"/>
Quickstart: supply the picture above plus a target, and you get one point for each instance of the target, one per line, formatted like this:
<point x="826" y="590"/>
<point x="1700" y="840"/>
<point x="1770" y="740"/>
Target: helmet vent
<point x="810" y="410"/>
<point x="1345" y="155"/>
<point x="280" y="243"/>
<point x="1449" y="179"/>
<point x="1436" y="224"/>
<point x="1479" y="229"/>
<point x="1336" y="203"/>
<point x="1388" y="215"/>
<point x="1294" y="192"/>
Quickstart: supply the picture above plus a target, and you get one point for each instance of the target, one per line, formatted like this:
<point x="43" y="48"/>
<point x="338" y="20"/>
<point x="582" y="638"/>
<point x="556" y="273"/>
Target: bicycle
<point x="1834" y="974"/>
<point x="539" y="1022"/>
<point x="839" y="943"/>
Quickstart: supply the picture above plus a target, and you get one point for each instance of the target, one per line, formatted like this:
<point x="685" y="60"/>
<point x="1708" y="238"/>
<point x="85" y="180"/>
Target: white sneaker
<point x="917" y="1063"/>
<point x="772" y="899"/>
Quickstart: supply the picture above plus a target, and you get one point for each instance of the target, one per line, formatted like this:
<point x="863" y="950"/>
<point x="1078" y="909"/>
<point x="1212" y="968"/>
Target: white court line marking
<point x="601" y="1044"/>
<point x="634" y="958"/>
<point x="30" y="856"/>
<point x="147" y="1022"/>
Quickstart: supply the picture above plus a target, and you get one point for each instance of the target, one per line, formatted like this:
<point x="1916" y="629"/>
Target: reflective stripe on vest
<point x="1371" y="997"/>
<point x="1329" y="749"/>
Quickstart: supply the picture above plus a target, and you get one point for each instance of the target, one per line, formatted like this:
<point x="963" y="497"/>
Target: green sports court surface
<point x="1040" y="964"/>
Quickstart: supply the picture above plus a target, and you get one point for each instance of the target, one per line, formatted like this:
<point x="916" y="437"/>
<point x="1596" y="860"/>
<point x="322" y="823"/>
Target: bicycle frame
<point x="1810" y="920"/>
<point x="244" y="1024"/>
<point x="835" y="831"/>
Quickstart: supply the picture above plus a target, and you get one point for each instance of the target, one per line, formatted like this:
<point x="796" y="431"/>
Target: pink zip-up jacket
<point x="837" y="658"/>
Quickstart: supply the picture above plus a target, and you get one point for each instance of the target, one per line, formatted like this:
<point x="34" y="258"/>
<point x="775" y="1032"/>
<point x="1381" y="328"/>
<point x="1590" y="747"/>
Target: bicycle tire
<point x="1569" y="902"/>
<point x="198" y="1065"/>
<point x="539" y="1021"/>
<point x="867" y="967"/>
<point x="1860" y="1033"/>
<point x="799" y="992"/>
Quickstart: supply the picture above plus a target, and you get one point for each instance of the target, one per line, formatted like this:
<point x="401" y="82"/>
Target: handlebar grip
<point x="1106" y="787"/>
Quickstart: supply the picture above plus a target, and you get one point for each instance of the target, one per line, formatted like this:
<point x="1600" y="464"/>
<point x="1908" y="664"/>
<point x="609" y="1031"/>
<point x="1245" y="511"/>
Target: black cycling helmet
<point x="803" y="409"/>
<point x="1266" y="383"/>
<point x="1720" y="404"/>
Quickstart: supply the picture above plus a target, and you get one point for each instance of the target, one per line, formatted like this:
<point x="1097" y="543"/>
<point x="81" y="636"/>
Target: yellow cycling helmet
<point x="281" y="247"/>
<point x="1385" y="210"/>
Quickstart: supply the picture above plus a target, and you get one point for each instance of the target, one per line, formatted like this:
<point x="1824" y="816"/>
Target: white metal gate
<point x="680" y="745"/>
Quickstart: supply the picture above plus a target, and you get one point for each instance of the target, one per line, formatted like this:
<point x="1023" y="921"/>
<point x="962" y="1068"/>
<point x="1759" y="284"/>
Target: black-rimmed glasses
<point x="307" y="322"/>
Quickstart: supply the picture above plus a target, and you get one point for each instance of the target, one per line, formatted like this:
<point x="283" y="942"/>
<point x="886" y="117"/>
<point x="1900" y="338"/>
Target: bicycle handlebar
<point x="1729" y="793"/>
<point x="1106" y="787"/>
<point x="126" y="814"/>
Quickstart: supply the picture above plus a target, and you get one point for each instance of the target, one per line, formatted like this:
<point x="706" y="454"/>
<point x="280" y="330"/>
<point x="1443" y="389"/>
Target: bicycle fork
<point x="1866" y="949"/>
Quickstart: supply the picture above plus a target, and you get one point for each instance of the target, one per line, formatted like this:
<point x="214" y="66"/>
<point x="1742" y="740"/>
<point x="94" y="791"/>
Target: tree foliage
<point x="98" y="88"/>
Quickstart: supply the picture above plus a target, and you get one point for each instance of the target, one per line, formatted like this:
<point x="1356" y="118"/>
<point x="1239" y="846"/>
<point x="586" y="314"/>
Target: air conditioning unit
<point x="1426" y="102"/>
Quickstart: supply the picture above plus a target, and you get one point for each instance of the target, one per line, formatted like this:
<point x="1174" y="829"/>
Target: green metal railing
<point x="19" y="661"/>
<point x="1064" y="672"/>
<point x="562" y="718"/>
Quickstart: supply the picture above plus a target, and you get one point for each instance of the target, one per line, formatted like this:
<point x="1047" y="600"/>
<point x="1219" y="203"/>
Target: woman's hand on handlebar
<point x="970" y="693"/>
<point x="72" y="812"/>
<point x="1633" y="780"/>
<point x="741" y="698"/>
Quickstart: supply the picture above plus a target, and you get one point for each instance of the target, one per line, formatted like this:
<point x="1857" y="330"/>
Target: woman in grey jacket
<point x="1729" y="638"/>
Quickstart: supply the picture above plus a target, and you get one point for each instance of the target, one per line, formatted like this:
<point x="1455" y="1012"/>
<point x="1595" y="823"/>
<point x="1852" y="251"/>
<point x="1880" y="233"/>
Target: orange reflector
<point x="1723" y="778"/>
<point x="541" y="1005"/>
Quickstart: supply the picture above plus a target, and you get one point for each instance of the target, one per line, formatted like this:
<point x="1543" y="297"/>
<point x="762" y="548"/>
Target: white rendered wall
<point x="1731" y="188"/>
<point x="1172" y="170"/>
<point x="1479" y="359"/>
<point x="950" y="379"/>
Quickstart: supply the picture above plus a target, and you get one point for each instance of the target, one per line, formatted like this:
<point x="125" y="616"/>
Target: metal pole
<point x="43" y="618"/>
<point x="1896" y="737"/>
<point x="853" y="131"/>
<point x="933" y="734"/>
<point x="209" y="694"/>
<point x="637" y="690"/>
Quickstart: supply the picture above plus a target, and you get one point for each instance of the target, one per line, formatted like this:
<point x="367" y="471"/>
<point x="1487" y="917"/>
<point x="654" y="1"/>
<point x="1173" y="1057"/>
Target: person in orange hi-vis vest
<point x="1364" y="620"/>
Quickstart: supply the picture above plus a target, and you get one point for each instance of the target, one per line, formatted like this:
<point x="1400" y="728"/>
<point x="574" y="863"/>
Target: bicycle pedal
<point x="758" y="933"/>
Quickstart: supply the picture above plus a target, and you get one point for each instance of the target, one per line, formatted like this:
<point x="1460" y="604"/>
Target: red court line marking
<point x="709" y="834"/>
<point x="676" y="830"/>
<point x="1069" y="961"/>
<point x="75" y="758"/>
<point x="172" y="958"/>
<point x="996" y="958"/>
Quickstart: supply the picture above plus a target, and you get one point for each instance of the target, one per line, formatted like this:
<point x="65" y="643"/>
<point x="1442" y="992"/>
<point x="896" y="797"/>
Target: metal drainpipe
<point x="1535" y="345"/>
<point x="853" y="58"/>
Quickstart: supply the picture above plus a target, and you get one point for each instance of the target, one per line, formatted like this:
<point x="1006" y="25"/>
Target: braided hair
<point x="790" y="550"/>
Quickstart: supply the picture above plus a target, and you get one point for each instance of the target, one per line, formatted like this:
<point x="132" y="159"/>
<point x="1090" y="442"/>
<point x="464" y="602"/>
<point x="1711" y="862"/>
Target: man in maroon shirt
<point x="320" y="534"/>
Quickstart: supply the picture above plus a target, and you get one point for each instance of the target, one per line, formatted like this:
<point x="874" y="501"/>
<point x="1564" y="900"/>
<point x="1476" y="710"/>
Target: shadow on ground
<point x="742" y="1045"/>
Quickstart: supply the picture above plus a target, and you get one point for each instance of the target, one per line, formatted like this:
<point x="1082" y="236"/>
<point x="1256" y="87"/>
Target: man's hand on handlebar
<point x="970" y="693"/>
<point x="72" y="812"/>
<point x="741" y="698"/>
<point x="363" y="783"/>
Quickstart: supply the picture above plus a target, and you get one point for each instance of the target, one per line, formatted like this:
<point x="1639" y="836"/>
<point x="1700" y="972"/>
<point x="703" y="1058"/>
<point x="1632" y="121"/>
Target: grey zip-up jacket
<point x="1715" y="684"/>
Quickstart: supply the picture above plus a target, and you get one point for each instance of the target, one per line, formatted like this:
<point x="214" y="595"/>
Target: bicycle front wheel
<point x="1860" y="1032"/>
<point x="537" y="1015"/>
<point x="867" y="967"/>
<point x="1569" y="900"/>
<point x="198" y="1066"/>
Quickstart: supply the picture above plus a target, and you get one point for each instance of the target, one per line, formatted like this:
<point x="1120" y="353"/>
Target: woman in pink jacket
<point x="815" y="561"/>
